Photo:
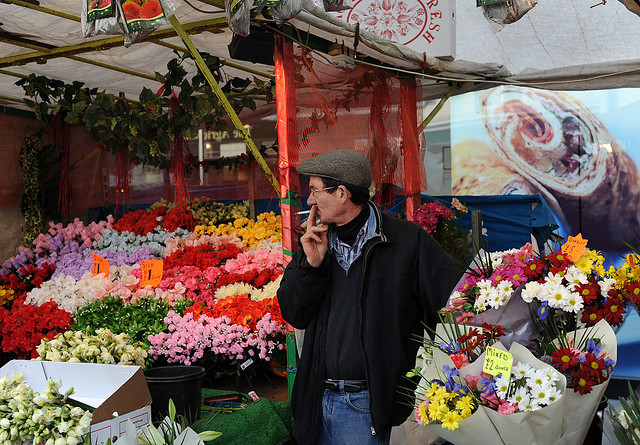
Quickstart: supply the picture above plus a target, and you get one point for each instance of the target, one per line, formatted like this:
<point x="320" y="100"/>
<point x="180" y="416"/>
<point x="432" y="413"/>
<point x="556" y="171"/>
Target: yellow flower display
<point x="268" y="226"/>
<point x="6" y="295"/>
<point x="447" y="408"/>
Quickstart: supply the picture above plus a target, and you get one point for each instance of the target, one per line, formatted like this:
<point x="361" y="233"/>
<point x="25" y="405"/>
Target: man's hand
<point x="315" y="242"/>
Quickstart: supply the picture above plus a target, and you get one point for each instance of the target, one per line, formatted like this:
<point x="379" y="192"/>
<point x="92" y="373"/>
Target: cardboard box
<point x="114" y="390"/>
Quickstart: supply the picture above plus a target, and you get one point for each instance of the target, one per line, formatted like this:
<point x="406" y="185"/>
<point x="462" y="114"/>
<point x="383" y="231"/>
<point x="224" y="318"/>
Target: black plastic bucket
<point x="180" y="383"/>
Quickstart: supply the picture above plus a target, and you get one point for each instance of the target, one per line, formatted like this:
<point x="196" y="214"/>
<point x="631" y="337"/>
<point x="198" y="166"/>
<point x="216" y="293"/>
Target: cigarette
<point x="303" y="212"/>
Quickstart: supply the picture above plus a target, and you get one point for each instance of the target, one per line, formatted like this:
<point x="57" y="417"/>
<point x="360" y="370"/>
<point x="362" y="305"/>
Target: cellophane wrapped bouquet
<point x="461" y="403"/>
<point x="555" y="316"/>
<point x="576" y="304"/>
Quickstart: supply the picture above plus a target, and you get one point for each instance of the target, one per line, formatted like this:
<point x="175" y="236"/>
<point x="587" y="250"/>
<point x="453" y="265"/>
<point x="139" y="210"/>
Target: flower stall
<point x="213" y="305"/>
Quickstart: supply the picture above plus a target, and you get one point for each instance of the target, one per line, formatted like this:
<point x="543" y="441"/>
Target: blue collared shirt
<point x="346" y="254"/>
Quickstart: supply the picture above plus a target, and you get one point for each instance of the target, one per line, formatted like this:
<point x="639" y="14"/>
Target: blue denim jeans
<point x="346" y="420"/>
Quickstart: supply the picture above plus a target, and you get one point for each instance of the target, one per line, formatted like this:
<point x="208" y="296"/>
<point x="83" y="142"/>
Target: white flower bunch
<point x="529" y="388"/>
<point x="70" y="294"/>
<point x="558" y="290"/>
<point x="104" y="347"/>
<point x="268" y="291"/>
<point x="490" y="295"/>
<point x="44" y="418"/>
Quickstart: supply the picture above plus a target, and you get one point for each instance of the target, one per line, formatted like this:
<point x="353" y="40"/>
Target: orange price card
<point x="151" y="272"/>
<point x="575" y="247"/>
<point x="100" y="265"/>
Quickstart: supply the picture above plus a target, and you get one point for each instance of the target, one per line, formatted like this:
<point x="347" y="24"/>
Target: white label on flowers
<point x="246" y="364"/>
<point x="497" y="362"/>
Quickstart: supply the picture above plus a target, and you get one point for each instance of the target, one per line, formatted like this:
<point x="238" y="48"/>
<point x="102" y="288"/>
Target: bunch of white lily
<point x="104" y="347"/>
<point x="44" y="418"/>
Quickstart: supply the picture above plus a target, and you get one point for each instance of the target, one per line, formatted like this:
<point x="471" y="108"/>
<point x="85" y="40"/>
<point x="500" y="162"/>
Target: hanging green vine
<point x="30" y="204"/>
<point x="147" y="127"/>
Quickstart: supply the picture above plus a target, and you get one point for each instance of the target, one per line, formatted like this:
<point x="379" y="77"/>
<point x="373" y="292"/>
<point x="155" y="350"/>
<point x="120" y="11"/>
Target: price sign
<point x="575" y="247"/>
<point x="151" y="272"/>
<point x="100" y="265"/>
<point x="497" y="361"/>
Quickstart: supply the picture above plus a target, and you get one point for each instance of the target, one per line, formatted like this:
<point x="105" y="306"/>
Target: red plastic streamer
<point x="60" y="136"/>
<point x="123" y="176"/>
<point x="178" y="169"/>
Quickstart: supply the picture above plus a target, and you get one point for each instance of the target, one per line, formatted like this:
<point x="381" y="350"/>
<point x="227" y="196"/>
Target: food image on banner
<point x="479" y="171"/>
<point x="555" y="143"/>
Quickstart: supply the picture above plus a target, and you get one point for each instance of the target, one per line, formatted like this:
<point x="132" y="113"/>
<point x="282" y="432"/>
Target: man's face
<point x="327" y="203"/>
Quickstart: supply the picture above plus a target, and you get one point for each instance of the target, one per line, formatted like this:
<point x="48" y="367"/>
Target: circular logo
<point x="400" y="21"/>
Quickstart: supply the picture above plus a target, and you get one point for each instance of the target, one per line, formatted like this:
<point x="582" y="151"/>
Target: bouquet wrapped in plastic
<point x="489" y="292"/>
<point x="467" y="405"/>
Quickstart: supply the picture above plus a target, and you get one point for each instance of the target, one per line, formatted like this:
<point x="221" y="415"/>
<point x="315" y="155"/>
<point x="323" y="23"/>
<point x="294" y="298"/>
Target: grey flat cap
<point x="341" y="165"/>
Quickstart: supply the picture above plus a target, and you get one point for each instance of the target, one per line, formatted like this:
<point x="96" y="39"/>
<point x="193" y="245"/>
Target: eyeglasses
<point x="313" y="192"/>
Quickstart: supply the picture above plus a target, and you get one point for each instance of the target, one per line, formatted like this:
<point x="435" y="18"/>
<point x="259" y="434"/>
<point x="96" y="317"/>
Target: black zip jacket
<point x="407" y="277"/>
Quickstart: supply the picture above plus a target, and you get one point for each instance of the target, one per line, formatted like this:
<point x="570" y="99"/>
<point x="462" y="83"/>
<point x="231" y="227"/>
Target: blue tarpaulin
<point x="509" y="220"/>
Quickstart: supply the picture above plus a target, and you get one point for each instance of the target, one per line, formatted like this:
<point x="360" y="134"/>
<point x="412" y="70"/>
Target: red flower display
<point x="202" y="256"/>
<point x="240" y="309"/>
<point x="140" y="222"/>
<point x="25" y="325"/>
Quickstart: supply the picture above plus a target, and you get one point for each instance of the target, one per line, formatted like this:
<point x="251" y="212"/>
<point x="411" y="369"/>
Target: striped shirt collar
<point x="346" y="254"/>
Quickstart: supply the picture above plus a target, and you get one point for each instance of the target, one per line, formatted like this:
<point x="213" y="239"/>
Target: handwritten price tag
<point x="575" y="247"/>
<point x="497" y="361"/>
<point x="100" y="265"/>
<point x="151" y="272"/>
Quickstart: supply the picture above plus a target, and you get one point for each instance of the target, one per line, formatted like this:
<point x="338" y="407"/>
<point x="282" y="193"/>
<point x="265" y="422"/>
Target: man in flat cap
<point x="360" y="286"/>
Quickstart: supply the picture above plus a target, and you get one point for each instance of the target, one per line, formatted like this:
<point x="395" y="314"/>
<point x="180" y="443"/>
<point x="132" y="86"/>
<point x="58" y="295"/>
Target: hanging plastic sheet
<point x="285" y="10"/>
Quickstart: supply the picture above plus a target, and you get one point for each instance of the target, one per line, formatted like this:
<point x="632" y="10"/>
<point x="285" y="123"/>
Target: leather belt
<point x="348" y="385"/>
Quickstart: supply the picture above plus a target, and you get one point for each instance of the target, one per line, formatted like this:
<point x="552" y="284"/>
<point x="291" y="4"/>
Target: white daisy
<point x="502" y="386"/>
<point x="575" y="303"/>
<point x="522" y="370"/>
<point x="554" y="394"/>
<point x="540" y="377"/>
<point x="484" y="284"/>
<point x="505" y="286"/>
<point x="520" y="397"/>
<point x="575" y="276"/>
<point x="557" y="295"/>
<point x="541" y="393"/>
<point x="531" y="406"/>
<point x="495" y="298"/>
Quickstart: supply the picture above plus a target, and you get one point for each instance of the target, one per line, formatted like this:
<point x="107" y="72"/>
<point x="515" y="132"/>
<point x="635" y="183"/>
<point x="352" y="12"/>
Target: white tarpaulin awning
<point x="559" y="44"/>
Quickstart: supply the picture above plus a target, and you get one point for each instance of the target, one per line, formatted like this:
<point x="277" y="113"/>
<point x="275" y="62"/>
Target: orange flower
<point x="150" y="10"/>
<point x="131" y="10"/>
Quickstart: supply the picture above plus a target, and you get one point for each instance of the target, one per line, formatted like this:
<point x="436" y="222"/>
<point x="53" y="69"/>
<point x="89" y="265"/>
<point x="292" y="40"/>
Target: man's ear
<point x="345" y="195"/>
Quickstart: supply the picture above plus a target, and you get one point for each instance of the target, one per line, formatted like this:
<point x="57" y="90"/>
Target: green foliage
<point x="626" y="423"/>
<point x="146" y="128"/>
<point x="139" y="320"/>
<point x="30" y="204"/>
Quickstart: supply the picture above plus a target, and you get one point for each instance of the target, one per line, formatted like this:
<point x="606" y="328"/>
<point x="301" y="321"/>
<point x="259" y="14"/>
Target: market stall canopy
<point x="47" y="40"/>
<point x="559" y="44"/>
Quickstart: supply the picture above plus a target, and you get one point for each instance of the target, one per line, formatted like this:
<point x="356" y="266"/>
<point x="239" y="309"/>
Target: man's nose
<point x="311" y="200"/>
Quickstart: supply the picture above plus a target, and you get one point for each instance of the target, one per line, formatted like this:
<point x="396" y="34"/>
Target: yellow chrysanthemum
<point x="422" y="412"/>
<point x="590" y="261"/>
<point x="451" y="420"/>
